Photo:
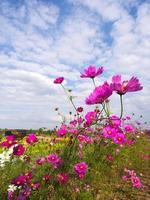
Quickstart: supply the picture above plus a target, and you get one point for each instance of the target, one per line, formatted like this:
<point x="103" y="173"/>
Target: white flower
<point x="11" y="188"/>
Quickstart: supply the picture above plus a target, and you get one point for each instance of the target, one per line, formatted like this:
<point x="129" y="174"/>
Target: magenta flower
<point x="53" y="159"/>
<point x="79" y="109"/>
<point x="109" y="132"/>
<point x="120" y="138"/>
<point x="31" y="138"/>
<point x="46" y="177"/>
<point x="80" y="169"/>
<point x="81" y="138"/>
<point x="109" y="157"/>
<point x="10" y="195"/>
<point x="59" y="80"/>
<point x="92" y="72"/>
<point x="129" y="128"/>
<point x="41" y="161"/>
<point x="100" y="94"/>
<point x="61" y="132"/>
<point x="122" y="87"/>
<point x="10" y="140"/>
<point x="24" y="193"/>
<point x="36" y="186"/>
<point x="116" y="122"/>
<point x="74" y="122"/>
<point x="18" y="150"/>
<point x="136" y="182"/>
<point x="90" y="117"/>
<point x="62" y="178"/>
<point x="131" y="142"/>
<point x="73" y="131"/>
<point x="19" y="181"/>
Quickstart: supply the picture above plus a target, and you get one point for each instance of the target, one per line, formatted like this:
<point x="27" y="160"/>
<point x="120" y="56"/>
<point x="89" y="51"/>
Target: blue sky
<point x="43" y="39"/>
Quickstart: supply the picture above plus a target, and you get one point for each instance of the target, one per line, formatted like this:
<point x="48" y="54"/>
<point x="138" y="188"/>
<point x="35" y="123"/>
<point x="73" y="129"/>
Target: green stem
<point x="108" y="108"/>
<point x="69" y="97"/>
<point x="105" y="110"/>
<point x="121" y="104"/>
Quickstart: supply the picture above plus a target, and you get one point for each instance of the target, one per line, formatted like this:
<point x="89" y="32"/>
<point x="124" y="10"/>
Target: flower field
<point x="95" y="156"/>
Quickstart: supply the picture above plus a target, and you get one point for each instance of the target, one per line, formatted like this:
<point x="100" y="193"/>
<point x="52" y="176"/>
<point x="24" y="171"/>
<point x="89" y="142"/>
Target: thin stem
<point x="69" y="97"/>
<point x="94" y="82"/>
<point x="121" y="104"/>
<point x="105" y="110"/>
<point x="108" y="108"/>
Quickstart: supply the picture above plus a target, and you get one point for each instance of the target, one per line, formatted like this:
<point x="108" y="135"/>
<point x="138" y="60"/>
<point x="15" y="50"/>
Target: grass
<point x="102" y="181"/>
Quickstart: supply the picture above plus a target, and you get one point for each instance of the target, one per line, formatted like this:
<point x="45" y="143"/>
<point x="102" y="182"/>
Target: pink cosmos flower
<point x="41" y="161"/>
<point x="31" y="138"/>
<point x="73" y="131"/>
<point x="130" y="142"/>
<point x="115" y="121"/>
<point x="35" y="186"/>
<point x="129" y="128"/>
<point x="120" y="138"/>
<point x="24" y="193"/>
<point x="10" y="195"/>
<point x="74" y="122"/>
<point x="90" y="117"/>
<point x="84" y="139"/>
<point x="80" y="169"/>
<point x="59" y="80"/>
<point x="92" y="72"/>
<point x="53" y="159"/>
<point x="19" y="181"/>
<point x="125" y="178"/>
<point x="61" y="132"/>
<point x="109" y="132"/>
<point x="100" y="94"/>
<point x="109" y="157"/>
<point x="28" y="176"/>
<point x="80" y="109"/>
<point x="18" y="150"/>
<point x="136" y="182"/>
<point x="122" y="87"/>
<point x="62" y="178"/>
<point x="10" y="140"/>
<point x="81" y="138"/>
<point x="46" y="177"/>
<point x="22" y="179"/>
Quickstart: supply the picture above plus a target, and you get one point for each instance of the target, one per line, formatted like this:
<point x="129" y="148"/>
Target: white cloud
<point x="36" y="48"/>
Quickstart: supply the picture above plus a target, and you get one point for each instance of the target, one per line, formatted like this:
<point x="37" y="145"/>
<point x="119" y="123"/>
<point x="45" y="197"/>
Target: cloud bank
<point x="40" y="40"/>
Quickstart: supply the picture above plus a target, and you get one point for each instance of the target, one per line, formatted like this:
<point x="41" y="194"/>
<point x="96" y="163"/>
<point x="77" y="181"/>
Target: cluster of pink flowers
<point x="62" y="131"/>
<point x="18" y="149"/>
<point x="132" y="176"/>
<point x="103" y="92"/>
<point x="94" y="127"/>
<point x="114" y="131"/>
<point x="84" y="139"/>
